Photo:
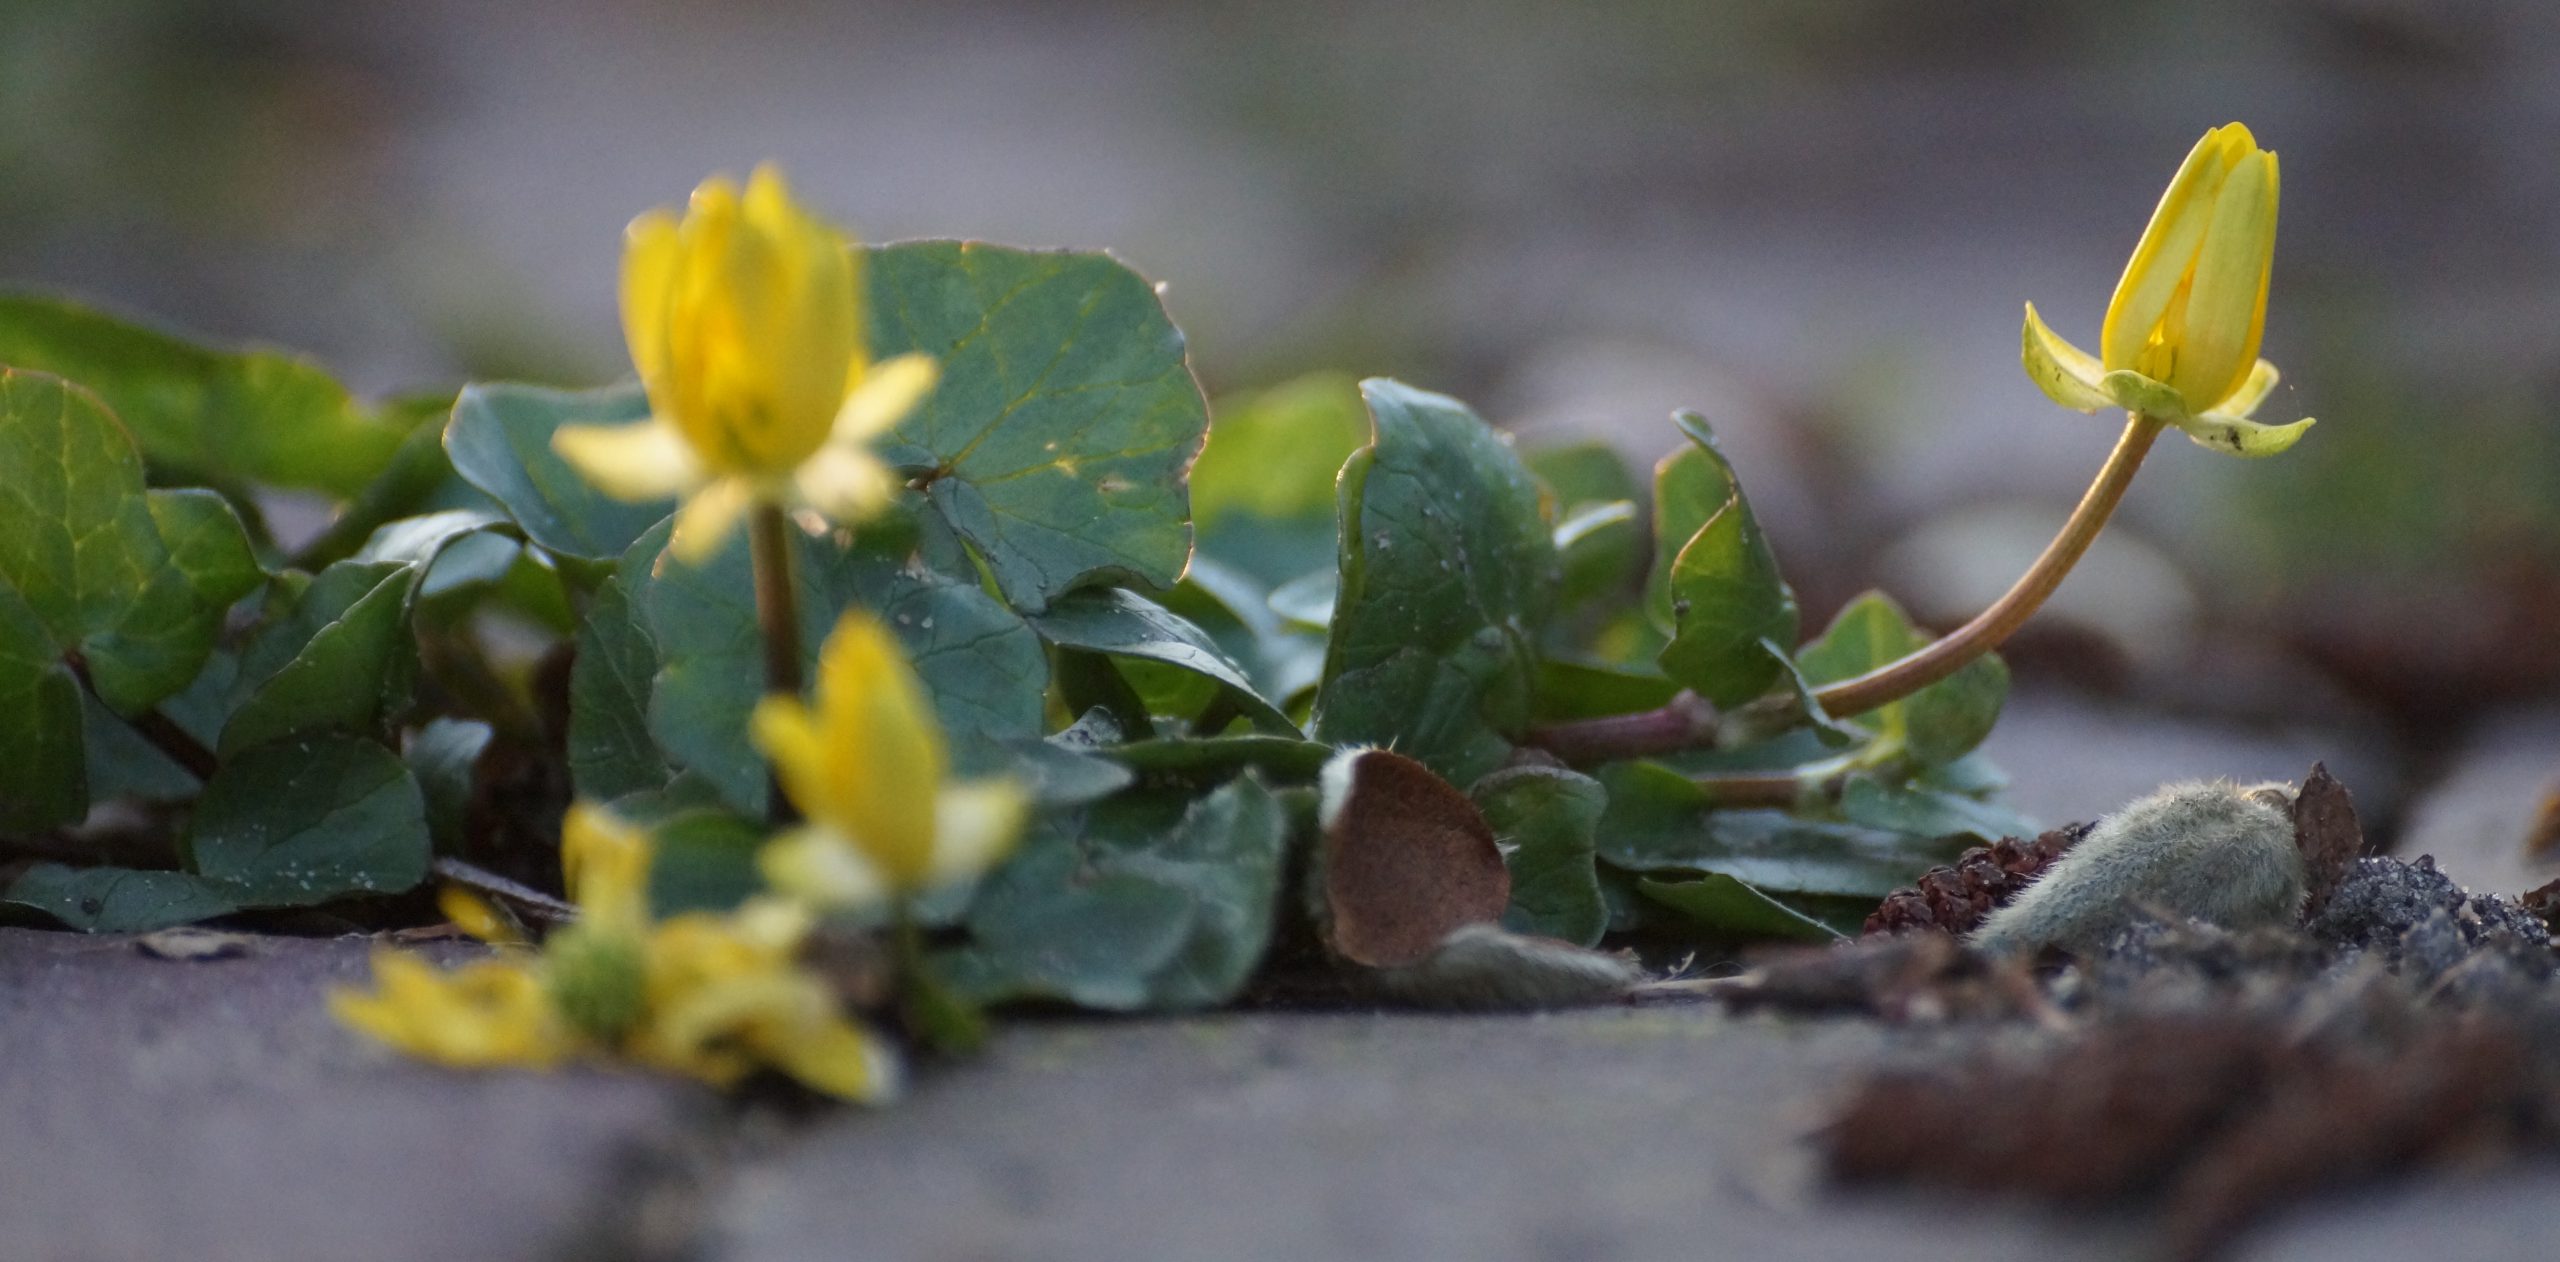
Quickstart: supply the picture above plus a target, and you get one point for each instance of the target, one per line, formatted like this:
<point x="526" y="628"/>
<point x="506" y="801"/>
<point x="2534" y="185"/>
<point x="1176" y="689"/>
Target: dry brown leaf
<point x="2325" y="827"/>
<point x="1408" y="860"/>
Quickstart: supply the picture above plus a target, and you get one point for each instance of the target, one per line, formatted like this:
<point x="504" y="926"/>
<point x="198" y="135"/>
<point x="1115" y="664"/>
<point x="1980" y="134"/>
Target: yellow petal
<point x="835" y="1057"/>
<point x="649" y="257"/>
<point x="632" y="463"/>
<point x="2161" y="260"/>
<point x="606" y="864"/>
<point x="475" y="916"/>
<point x="786" y="732"/>
<point x="2226" y="306"/>
<point x="884" y="748"/>
<point x="2067" y="374"/>
<point x="2253" y="391"/>
<point x="490" y="1012"/>
<point x="885" y="394"/>
<point x="706" y="519"/>
<point x="2240" y="436"/>
<point x="846" y="484"/>
<point x="817" y="864"/>
<point x="975" y="826"/>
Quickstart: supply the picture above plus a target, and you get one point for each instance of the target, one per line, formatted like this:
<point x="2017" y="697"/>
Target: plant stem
<point x="1689" y="722"/>
<point x="1945" y="656"/>
<point x="162" y="732"/>
<point x="1686" y="721"/>
<point x="778" y="616"/>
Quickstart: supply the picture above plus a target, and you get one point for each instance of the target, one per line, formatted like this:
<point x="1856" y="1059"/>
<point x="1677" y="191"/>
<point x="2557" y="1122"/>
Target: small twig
<point x="525" y="898"/>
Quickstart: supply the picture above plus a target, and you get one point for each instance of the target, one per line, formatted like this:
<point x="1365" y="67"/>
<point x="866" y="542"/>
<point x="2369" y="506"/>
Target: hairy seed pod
<point x="2214" y="852"/>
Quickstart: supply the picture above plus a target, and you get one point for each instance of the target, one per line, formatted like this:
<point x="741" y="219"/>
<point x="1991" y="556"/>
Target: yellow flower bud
<point x="869" y="768"/>
<point x="745" y="321"/>
<point x="2193" y="302"/>
<point x="2181" y="338"/>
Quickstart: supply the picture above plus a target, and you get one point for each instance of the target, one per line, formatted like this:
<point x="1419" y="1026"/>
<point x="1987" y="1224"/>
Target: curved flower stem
<point x="778" y="616"/>
<point x="1689" y="722"/>
<point x="1945" y="656"/>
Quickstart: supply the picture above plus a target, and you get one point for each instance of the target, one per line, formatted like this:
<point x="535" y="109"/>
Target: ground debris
<point x="2205" y="1076"/>
<point x="1955" y="898"/>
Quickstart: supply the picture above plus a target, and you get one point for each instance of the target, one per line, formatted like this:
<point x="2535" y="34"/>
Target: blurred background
<point x="1816" y="221"/>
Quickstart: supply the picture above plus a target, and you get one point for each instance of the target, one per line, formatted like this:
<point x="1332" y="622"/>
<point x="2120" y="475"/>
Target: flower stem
<point x="1690" y="722"/>
<point x="1945" y="656"/>
<point x="778" y="616"/>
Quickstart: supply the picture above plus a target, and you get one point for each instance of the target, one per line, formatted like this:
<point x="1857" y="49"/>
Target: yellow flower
<point x="869" y="770"/>
<point x="745" y="320"/>
<point x="2181" y="338"/>
<point x="712" y="997"/>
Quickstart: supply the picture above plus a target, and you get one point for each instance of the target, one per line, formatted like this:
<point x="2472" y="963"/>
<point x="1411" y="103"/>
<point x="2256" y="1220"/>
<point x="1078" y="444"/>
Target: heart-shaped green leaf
<point x="1066" y="414"/>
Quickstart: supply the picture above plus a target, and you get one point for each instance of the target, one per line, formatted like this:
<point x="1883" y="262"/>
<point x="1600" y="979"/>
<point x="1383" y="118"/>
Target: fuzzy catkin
<point x="2213" y="852"/>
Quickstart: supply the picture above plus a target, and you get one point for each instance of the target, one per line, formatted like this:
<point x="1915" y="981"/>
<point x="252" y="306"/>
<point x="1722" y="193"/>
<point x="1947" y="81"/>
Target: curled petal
<point x="478" y="917"/>
<point x="705" y="521"/>
<point x="787" y="732"/>
<point x="886" y="392"/>
<point x="974" y="828"/>
<point x="2067" y="374"/>
<point x="822" y="866"/>
<point x="847" y="484"/>
<point x="2240" y="436"/>
<point x="831" y="1055"/>
<point x="632" y="463"/>
<point x="2252" y="392"/>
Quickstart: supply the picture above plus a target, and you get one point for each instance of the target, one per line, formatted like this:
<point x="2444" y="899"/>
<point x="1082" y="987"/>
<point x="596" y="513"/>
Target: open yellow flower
<point x="2181" y="339"/>
<point x="745" y="321"/>
<point x="869" y="770"/>
<point x="709" y="996"/>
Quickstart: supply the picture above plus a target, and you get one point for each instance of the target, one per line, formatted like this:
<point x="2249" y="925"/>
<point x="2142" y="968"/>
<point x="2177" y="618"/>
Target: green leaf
<point x="1601" y="548"/>
<point x="1147" y="900"/>
<point x="340" y="657"/>
<point x="1065" y="417"/>
<point x="1583" y="474"/>
<point x="1447" y="572"/>
<point x="43" y="770"/>
<point x="1929" y="812"/>
<point x="1122" y="623"/>
<point x="120" y="900"/>
<point x="304" y="820"/>
<point x="285" y="825"/>
<point x="226" y="418"/>
<point x="1545" y="818"/>
<point x="706" y="861"/>
<point x="1219" y="757"/>
<point x="135" y="582"/>
<point x="1660" y="821"/>
<point x="610" y="750"/>
<point x="1728" y="908"/>
<point x="1284" y="662"/>
<point x="1718" y="584"/>
<point x="1569" y="689"/>
<point x="1262" y="492"/>
<point x="440" y="758"/>
<point x="1939" y="723"/>
<point x="979" y="661"/>
<point x="500" y="442"/>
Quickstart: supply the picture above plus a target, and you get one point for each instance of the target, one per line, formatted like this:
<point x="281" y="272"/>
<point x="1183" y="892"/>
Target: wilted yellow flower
<point x="869" y="770"/>
<point x="710" y="996"/>
<point x="2181" y="338"/>
<point x="745" y="320"/>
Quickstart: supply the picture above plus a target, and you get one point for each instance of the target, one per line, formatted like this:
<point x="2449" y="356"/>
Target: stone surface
<point x="207" y="1110"/>
<point x="210" y="1110"/>
<point x="1617" y="1133"/>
